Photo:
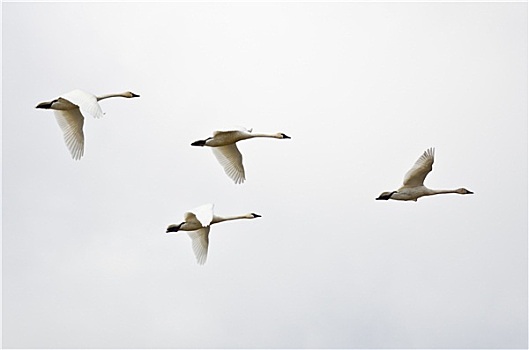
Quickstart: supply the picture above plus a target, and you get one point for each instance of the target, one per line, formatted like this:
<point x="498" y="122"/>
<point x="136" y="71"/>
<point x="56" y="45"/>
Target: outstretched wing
<point x="416" y="175"/>
<point x="200" y="242"/>
<point x="230" y="130"/>
<point x="203" y="214"/>
<point x="231" y="160"/>
<point x="87" y="102"/>
<point x="71" y="123"/>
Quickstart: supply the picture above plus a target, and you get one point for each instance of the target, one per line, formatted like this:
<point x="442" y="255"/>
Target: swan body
<point x="413" y="185"/>
<point x="223" y="144"/>
<point x="197" y="223"/>
<point x="70" y="109"/>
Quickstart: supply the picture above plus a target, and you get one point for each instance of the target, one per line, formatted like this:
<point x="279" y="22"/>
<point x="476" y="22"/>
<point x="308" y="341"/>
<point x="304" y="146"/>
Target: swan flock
<point x="70" y="110"/>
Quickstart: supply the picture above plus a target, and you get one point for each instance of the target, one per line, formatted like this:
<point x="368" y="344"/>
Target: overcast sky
<point x="362" y="88"/>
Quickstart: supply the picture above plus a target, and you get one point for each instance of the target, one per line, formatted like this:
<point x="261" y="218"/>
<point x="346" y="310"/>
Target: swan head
<point x="385" y="195"/>
<point x="173" y="228"/>
<point x="283" y="136"/>
<point x="129" y="94"/>
<point x="463" y="191"/>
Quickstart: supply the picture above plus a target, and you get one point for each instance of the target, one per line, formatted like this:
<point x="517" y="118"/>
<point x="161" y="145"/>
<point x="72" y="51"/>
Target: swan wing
<point x="416" y="175"/>
<point x="71" y="123"/>
<point x="87" y="102"/>
<point x="200" y="242"/>
<point x="202" y="214"/>
<point x="231" y="160"/>
<point x="231" y="130"/>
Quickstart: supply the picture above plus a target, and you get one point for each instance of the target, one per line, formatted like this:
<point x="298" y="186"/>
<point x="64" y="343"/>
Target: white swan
<point x="413" y="187"/>
<point x="69" y="109"/>
<point x="197" y="222"/>
<point x="225" y="150"/>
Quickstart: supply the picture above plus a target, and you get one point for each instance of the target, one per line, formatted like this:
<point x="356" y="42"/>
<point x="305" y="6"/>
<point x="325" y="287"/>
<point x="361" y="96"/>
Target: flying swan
<point x="413" y="187"/>
<point x="69" y="109"/>
<point x="197" y="223"/>
<point x="223" y="144"/>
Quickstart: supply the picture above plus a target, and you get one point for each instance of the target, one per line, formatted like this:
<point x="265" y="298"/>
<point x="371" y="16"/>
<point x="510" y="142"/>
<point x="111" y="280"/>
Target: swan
<point x="223" y="144"/>
<point x="197" y="223"/>
<point x="69" y="109"/>
<point x="413" y="187"/>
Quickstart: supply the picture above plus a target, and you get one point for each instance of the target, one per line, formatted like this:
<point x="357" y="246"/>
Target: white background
<point x="362" y="88"/>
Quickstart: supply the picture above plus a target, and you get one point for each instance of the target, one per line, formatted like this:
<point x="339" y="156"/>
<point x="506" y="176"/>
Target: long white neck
<point x="433" y="192"/>
<point x="121" y="94"/>
<point x="275" y="136"/>
<point x="217" y="219"/>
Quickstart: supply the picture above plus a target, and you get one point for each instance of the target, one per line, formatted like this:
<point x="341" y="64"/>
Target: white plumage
<point x="224" y="148"/>
<point x="413" y="184"/>
<point x="197" y="223"/>
<point x="70" y="109"/>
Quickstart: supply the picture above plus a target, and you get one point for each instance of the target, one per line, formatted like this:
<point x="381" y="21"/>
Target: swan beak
<point x="44" y="105"/>
<point x="135" y="95"/>
<point x="200" y="143"/>
<point x="286" y="136"/>
<point x="173" y="228"/>
<point x="470" y="192"/>
<point x="256" y="215"/>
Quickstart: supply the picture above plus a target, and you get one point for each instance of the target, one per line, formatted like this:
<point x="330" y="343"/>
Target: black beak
<point x="173" y="228"/>
<point x="256" y="215"/>
<point x="200" y="143"/>
<point x="135" y="95"/>
<point x="385" y="196"/>
<point x="44" y="105"/>
<point x="286" y="136"/>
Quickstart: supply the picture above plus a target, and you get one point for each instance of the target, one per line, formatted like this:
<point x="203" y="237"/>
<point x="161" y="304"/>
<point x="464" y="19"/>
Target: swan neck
<point x="217" y="219"/>
<point x="432" y="192"/>
<point x="264" y="135"/>
<point x="102" y="97"/>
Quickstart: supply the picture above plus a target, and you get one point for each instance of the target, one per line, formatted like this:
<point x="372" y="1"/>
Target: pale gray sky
<point x="362" y="88"/>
